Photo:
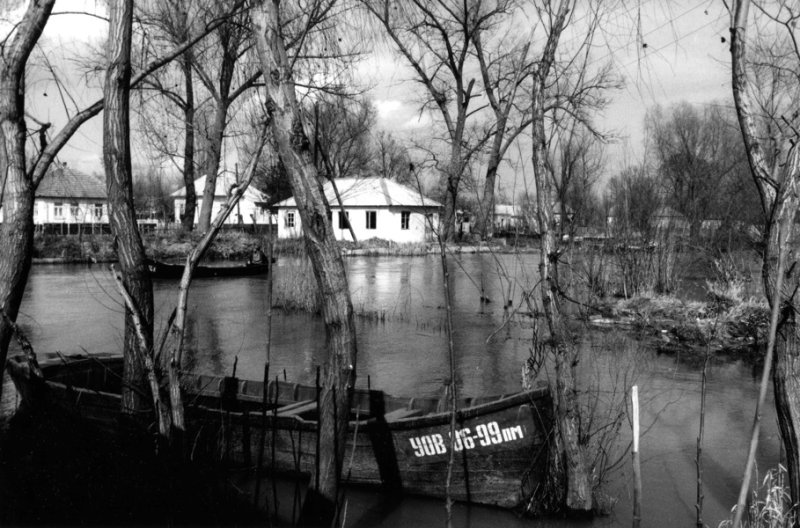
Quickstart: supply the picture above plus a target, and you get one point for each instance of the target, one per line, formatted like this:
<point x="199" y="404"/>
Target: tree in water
<point x="17" y="183"/>
<point x="121" y="213"/>
<point x="578" y="485"/>
<point x="20" y="175"/>
<point x="284" y="115"/>
<point x="769" y="128"/>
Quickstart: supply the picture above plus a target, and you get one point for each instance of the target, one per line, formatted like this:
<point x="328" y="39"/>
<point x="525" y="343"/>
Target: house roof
<point x="67" y="183"/>
<point x="223" y="184"/>
<point x="370" y="192"/>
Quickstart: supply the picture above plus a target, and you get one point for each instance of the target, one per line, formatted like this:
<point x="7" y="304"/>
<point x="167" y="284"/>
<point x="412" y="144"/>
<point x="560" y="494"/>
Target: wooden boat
<point x="399" y="443"/>
<point x="164" y="270"/>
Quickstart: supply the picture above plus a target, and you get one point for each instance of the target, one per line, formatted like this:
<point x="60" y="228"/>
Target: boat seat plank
<point x="297" y="407"/>
<point x="401" y="414"/>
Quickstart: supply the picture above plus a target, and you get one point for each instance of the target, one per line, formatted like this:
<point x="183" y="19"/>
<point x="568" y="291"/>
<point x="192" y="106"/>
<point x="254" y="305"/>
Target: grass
<point x="770" y="504"/>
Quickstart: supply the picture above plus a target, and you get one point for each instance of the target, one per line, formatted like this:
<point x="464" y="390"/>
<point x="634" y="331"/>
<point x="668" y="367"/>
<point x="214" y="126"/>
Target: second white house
<point x="251" y="209"/>
<point x="373" y="208"/>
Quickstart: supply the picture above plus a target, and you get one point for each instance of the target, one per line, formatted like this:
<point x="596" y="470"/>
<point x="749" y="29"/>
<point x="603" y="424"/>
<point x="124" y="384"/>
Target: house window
<point x="182" y="209"/>
<point x="372" y="219"/>
<point x="98" y="211"/>
<point x="58" y="210"/>
<point x="290" y="219"/>
<point x="344" y="220"/>
<point x="405" y="219"/>
<point x="74" y="211"/>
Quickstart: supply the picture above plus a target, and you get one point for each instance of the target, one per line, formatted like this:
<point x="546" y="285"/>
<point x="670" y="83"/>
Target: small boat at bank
<point x="164" y="270"/>
<point x="399" y="443"/>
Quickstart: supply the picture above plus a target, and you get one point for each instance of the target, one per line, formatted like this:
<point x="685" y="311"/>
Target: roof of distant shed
<point x="70" y="184"/>
<point x="370" y="192"/>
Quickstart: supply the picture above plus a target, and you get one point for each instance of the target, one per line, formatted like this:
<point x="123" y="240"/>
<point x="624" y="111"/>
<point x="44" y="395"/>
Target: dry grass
<point x="295" y="287"/>
<point x="770" y="504"/>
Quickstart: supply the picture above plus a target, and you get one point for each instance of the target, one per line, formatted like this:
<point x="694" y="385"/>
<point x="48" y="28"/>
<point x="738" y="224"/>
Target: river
<point x="402" y="350"/>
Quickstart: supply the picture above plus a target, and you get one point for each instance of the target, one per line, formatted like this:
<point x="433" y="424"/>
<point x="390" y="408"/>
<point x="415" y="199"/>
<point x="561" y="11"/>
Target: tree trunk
<point x="213" y="147"/>
<point x="579" y="487"/>
<point x="454" y="170"/>
<point x="786" y="384"/>
<point x="187" y="220"/>
<point x="337" y="309"/>
<point x="16" y="187"/>
<point x="122" y="216"/>
<point x="487" y="203"/>
<point x="777" y="183"/>
<point x="213" y="155"/>
<point x="786" y="373"/>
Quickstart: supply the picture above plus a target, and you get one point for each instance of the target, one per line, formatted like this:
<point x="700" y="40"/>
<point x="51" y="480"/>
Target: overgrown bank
<point x="727" y="319"/>
<point x="228" y="245"/>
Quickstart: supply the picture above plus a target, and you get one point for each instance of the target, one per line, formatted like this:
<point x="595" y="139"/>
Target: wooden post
<point x="260" y="463"/>
<point x="637" y="472"/>
<point x="700" y="435"/>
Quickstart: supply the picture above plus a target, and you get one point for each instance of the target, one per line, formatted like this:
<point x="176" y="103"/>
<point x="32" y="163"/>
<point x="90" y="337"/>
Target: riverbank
<point x="720" y="318"/>
<point x="235" y="245"/>
<point x="720" y="325"/>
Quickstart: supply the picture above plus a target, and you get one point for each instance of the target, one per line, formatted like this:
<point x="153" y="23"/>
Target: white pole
<point x="637" y="473"/>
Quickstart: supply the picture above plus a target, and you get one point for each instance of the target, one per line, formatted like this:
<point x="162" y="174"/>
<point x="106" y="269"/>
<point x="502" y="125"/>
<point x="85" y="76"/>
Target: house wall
<point x="246" y="208"/>
<point x="66" y="211"/>
<point x="388" y="224"/>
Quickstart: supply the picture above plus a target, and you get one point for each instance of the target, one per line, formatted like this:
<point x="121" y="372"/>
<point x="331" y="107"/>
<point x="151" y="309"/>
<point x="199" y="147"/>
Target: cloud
<point x="395" y="115"/>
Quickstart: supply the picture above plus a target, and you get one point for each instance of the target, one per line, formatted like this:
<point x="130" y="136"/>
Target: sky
<point x="663" y="51"/>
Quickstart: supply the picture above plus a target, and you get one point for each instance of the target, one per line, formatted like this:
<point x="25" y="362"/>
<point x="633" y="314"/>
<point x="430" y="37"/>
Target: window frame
<point x="405" y="220"/>
<point x="344" y="220"/>
<point x="373" y="216"/>
<point x="290" y="220"/>
<point x="58" y="210"/>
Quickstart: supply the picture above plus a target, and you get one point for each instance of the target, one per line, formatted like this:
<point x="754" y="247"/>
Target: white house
<point x="509" y="217"/>
<point x="374" y="207"/>
<point x="251" y="209"/>
<point x="69" y="201"/>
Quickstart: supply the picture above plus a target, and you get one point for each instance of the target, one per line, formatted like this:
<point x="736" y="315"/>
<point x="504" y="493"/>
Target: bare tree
<point x="284" y="114"/>
<point x="632" y="199"/>
<point x="21" y="176"/>
<point x="697" y="155"/>
<point x="391" y="160"/>
<point x="216" y="70"/>
<point x="435" y="39"/>
<point x="17" y="186"/>
<point x="503" y="75"/>
<point x="172" y="23"/>
<point x="573" y="92"/>
<point x="122" y="216"/>
<point x="575" y="172"/>
<point x="341" y="138"/>
<point x="771" y="141"/>
<point x="578" y="493"/>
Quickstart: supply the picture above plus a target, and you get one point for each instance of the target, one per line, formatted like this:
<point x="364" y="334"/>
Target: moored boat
<point x="400" y="443"/>
<point x="164" y="270"/>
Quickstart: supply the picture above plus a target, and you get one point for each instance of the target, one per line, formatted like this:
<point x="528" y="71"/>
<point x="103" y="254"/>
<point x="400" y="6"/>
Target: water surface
<point x="402" y="350"/>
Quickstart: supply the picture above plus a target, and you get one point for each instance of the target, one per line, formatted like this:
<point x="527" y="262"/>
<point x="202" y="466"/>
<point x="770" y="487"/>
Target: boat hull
<point x="161" y="270"/>
<point x="499" y="452"/>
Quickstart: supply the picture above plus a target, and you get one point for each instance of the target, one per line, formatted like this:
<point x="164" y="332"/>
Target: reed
<point x="770" y="504"/>
<point x="294" y="287"/>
